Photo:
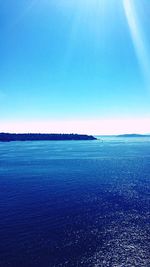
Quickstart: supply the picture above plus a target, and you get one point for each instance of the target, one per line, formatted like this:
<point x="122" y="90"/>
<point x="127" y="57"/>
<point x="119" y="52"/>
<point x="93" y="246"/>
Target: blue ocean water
<point x="75" y="203"/>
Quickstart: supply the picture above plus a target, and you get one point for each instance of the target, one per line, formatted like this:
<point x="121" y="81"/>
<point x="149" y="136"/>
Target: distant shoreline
<point x="9" y="137"/>
<point x="133" y="135"/>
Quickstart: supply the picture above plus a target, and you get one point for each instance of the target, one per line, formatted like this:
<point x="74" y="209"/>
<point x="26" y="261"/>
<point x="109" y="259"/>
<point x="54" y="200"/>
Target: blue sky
<point x="74" y="61"/>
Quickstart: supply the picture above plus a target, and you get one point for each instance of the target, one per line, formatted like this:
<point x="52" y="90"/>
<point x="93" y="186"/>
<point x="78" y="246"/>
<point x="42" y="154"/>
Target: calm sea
<point x="75" y="203"/>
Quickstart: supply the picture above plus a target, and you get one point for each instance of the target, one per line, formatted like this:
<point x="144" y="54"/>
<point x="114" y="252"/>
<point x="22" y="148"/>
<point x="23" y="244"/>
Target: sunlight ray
<point x="88" y="17"/>
<point x="138" y="38"/>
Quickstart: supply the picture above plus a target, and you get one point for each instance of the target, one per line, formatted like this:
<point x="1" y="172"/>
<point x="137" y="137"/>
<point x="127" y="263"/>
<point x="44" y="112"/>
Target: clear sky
<point x="75" y="66"/>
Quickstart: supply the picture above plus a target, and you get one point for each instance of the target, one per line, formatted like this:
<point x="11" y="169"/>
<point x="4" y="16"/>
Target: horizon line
<point x="75" y="133"/>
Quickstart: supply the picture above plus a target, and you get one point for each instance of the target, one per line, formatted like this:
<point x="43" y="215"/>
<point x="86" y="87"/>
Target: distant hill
<point x="7" y="137"/>
<point x="133" y="135"/>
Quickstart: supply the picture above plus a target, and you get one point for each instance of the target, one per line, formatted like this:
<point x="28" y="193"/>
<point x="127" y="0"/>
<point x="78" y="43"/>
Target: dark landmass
<point x="7" y="137"/>
<point x="133" y="135"/>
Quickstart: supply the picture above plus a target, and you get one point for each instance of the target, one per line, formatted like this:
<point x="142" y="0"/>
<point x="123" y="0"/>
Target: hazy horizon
<point x="94" y="127"/>
<point x="95" y="135"/>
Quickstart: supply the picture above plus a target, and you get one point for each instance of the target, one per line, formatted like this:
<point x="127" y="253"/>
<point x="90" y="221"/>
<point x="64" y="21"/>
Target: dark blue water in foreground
<point x="75" y="203"/>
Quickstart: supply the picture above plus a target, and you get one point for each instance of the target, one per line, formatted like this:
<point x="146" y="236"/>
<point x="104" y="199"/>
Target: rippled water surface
<point x="75" y="203"/>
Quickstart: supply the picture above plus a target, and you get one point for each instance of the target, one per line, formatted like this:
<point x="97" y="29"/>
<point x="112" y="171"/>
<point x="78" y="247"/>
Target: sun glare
<point x="138" y="38"/>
